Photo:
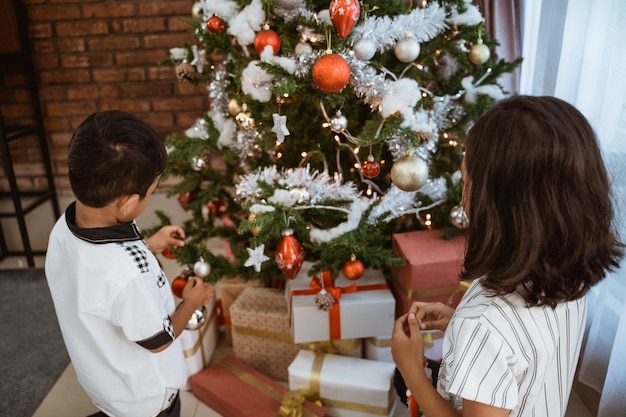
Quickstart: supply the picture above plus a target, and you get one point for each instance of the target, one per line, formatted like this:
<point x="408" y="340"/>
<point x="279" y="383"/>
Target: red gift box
<point x="233" y="389"/>
<point x="432" y="269"/>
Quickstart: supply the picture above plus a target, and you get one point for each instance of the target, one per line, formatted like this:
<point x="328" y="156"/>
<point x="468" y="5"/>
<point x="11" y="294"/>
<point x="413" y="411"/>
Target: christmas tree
<point x="332" y="125"/>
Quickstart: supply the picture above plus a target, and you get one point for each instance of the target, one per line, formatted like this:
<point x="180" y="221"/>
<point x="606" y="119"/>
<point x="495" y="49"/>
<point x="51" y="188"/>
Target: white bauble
<point x="407" y="49"/>
<point x="364" y="49"/>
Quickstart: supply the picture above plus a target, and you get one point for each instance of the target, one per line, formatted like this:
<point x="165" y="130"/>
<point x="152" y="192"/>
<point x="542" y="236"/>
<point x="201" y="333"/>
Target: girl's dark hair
<point x="538" y="200"/>
<point x="112" y="154"/>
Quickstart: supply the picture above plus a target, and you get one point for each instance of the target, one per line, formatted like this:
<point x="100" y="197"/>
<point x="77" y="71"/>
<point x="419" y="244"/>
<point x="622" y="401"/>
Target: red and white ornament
<point x="344" y="14"/>
<point x="331" y="73"/>
<point x="370" y="168"/>
<point x="267" y="37"/>
<point x="215" y="24"/>
<point x="289" y="254"/>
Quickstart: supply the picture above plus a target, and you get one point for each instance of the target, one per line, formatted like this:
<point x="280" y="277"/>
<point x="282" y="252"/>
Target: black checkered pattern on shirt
<point x="169" y="327"/>
<point x="138" y="255"/>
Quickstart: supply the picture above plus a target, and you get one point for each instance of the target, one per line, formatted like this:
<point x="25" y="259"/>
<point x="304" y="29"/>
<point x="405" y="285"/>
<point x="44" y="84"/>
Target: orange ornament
<point x="331" y="73"/>
<point x="289" y="254"/>
<point x="215" y="24"/>
<point x="353" y="269"/>
<point x="168" y="253"/>
<point x="267" y="37"/>
<point x="178" y="285"/>
<point x="344" y="14"/>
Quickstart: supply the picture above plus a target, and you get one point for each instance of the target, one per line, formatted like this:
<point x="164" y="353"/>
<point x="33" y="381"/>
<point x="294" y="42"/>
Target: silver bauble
<point x="197" y="319"/>
<point x="199" y="163"/>
<point x="458" y="217"/>
<point x="479" y="53"/>
<point x="303" y="48"/>
<point x="409" y="173"/>
<point x="201" y="268"/>
<point x="338" y="123"/>
<point x="407" y="49"/>
<point x="364" y="49"/>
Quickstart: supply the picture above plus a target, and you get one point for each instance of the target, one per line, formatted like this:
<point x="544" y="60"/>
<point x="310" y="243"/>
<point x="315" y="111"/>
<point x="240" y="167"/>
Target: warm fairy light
<point x="428" y="222"/>
<point x="445" y="135"/>
<point x="356" y="150"/>
<point x="424" y="94"/>
<point x="337" y="139"/>
<point x="382" y="162"/>
<point x="303" y="154"/>
<point x="279" y="155"/>
<point x="357" y="165"/>
<point x="453" y="142"/>
<point x="369" y="191"/>
<point x="420" y="66"/>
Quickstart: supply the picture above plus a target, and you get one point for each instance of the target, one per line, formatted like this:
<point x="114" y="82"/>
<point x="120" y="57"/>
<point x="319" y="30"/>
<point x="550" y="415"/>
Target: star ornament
<point x="199" y="58"/>
<point x="280" y="127"/>
<point x="256" y="257"/>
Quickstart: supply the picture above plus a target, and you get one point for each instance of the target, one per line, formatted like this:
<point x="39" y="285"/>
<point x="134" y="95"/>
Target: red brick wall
<point x="95" y="55"/>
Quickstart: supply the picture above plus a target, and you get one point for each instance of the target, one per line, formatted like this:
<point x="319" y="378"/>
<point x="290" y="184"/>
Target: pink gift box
<point x="432" y="269"/>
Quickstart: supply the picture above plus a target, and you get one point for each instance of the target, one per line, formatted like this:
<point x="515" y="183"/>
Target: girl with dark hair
<point x="540" y="236"/>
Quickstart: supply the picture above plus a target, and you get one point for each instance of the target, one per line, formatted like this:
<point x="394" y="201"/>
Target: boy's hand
<point x="167" y="236"/>
<point x="432" y="316"/>
<point x="197" y="292"/>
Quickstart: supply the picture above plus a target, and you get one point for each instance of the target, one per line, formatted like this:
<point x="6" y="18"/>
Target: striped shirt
<point x="499" y="352"/>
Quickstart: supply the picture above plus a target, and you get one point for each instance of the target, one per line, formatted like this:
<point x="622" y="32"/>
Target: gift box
<point x="260" y="329"/>
<point x="227" y="290"/>
<point x="377" y="349"/>
<point x="199" y="345"/>
<point x="432" y="269"/>
<point x="345" y="347"/>
<point x="361" y="308"/>
<point x="233" y="389"/>
<point x="433" y="342"/>
<point x="348" y="387"/>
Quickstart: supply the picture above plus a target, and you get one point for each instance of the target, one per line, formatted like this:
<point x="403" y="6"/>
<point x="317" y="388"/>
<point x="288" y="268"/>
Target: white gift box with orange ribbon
<point x="199" y="345"/>
<point x="347" y="387"/>
<point x="361" y="308"/>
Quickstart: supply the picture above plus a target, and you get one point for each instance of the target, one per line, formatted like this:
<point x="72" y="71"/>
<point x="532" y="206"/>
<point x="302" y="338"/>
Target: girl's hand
<point x="407" y="345"/>
<point x="432" y="316"/>
<point x="167" y="236"/>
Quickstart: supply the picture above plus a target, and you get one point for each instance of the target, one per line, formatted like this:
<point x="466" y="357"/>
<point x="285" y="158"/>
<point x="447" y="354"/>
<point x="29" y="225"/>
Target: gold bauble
<point x="409" y="173"/>
<point x="479" y="53"/>
<point x="254" y="230"/>
<point x="233" y="107"/>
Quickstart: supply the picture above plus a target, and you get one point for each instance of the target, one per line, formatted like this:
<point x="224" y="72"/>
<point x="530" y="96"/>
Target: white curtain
<point x="575" y="50"/>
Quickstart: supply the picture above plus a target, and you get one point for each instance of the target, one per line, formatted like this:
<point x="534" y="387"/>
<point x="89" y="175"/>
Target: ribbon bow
<point x="291" y="405"/>
<point x="325" y="281"/>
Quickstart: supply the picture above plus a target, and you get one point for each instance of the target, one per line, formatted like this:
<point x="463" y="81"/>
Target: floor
<point x="67" y="398"/>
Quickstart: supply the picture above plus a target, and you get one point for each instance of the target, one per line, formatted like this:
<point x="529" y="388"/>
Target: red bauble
<point x="267" y="37"/>
<point x="215" y="24"/>
<point x="184" y="199"/>
<point x="344" y="14"/>
<point x="353" y="269"/>
<point x="370" y="168"/>
<point x="289" y="254"/>
<point x="168" y="253"/>
<point x="331" y="73"/>
<point x="178" y="285"/>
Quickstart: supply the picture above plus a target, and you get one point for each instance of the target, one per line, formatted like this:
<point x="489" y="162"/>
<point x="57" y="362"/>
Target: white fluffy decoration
<point x="471" y="90"/>
<point x="470" y="17"/>
<point x="178" y="54"/>
<point x="256" y="82"/>
<point x="324" y="17"/>
<point x="225" y="9"/>
<point x="247" y="23"/>
<point x="402" y="97"/>
<point x="261" y="208"/>
<point x="357" y="209"/>
<point x="283" y="198"/>
<point x="287" y="64"/>
<point x="419" y="121"/>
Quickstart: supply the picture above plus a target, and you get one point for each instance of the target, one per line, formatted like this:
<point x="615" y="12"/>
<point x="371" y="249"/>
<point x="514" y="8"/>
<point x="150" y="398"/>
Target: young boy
<point x="113" y="302"/>
<point x="541" y="234"/>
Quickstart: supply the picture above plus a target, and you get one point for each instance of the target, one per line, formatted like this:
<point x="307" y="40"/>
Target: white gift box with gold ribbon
<point x="347" y="387"/>
<point x="199" y="345"/>
<point x="379" y="348"/>
<point x="361" y="308"/>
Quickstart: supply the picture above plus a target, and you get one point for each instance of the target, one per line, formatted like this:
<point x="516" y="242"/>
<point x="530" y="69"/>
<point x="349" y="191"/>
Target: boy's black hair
<point x="113" y="154"/>
<point x="538" y="200"/>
